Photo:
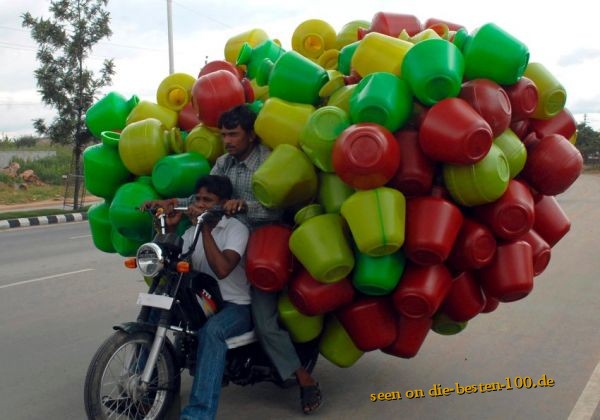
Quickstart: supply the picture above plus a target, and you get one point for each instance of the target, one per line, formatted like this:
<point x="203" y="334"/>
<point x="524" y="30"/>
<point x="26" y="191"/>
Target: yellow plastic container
<point x="175" y="91"/>
<point x="349" y="33"/>
<point x="313" y="37"/>
<point x="205" y="141"/>
<point x="378" y="52"/>
<point x="337" y="346"/>
<point x="302" y="328"/>
<point x="321" y="246"/>
<point x="329" y="59"/>
<point x="376" y="219"/>
<point x="235" y="43"/>
<point x="287" y="178"/>
<point x="551" y="94"/>
<point x="143" y="143"/>
<point x="341" y="97"/>
<point x="281" y="122"/>
<point x="147" y="109"/>
<point x="514" y="150"/>
<point x="261" y="93"/>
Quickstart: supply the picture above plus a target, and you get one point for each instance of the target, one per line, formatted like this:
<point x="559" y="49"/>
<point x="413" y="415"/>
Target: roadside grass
<point x="11" y="194"/>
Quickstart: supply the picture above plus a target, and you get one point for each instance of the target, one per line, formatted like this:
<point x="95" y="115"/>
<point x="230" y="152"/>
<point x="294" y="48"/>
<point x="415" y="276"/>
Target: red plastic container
<point x="540" y="251"/>
<point x="415" y="173"/>
<point x="453" y="132"/>
<point x="392" y="24"/>
<point x="187" y="118"/>
<point x="509" y="276"/>
<point x="433" y="225"/>
<point x="422" y="290"/>
<point x="410" y="335"/>
<point x="215" y="93"/>
<point x="465" y="299"/>
<point x="491" y="304"/>
<point x="562" y="123"/>
<point x="520" y="128"/>
<point x="523" y="97"/>
<point x="551" y="222"/>
<point x="312" y="297"/>
<point x="221" y="65"/>
<point x="370" y="322"/>
<point x="434" y="21"/>
<point x="474" y="247"/>
<point x="269" y="261"/>
<point x="552" y="165"/>
<point x="366" y="156"/>
<point x="490" y="101"/>
<point x="510" y="216"/>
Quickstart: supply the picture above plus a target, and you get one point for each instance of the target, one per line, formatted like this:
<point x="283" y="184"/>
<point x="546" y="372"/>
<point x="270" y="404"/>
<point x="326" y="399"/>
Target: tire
<point x="110" y="391"/>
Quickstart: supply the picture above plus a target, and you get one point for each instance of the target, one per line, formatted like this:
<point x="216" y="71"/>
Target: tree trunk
<point x="78" y="175"/>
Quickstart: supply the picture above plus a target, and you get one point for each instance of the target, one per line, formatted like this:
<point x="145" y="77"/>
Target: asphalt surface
<point x="59" y="297"/>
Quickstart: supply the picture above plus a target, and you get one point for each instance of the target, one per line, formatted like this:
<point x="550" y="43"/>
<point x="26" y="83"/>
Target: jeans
<point x="230" y="321"/>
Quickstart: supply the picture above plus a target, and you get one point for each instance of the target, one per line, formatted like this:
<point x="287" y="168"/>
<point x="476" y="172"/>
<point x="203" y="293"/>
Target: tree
<point x="588" y="142"/>
<point x="65" y="42"/>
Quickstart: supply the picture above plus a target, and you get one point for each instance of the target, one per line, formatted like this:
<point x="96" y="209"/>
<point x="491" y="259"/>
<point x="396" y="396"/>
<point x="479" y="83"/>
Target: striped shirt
<point x="240" y="173"/>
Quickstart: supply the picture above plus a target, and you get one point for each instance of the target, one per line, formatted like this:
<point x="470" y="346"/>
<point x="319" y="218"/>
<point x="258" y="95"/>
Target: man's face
<point x="205" y="200"/>
<point x="237" y="142"/>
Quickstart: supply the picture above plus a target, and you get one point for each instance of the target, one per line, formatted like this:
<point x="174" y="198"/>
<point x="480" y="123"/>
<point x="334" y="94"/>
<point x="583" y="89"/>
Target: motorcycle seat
<point x="241" y="340"/>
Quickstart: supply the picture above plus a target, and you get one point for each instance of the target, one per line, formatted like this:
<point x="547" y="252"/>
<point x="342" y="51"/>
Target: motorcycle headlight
<point x="150" y="259"/>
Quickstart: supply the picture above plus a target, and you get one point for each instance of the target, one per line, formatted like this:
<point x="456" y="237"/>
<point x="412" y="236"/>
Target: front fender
<point x="133" y="327"/>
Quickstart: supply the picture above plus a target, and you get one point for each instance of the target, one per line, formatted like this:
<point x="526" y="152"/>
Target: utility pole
<point x="170" y="32"/>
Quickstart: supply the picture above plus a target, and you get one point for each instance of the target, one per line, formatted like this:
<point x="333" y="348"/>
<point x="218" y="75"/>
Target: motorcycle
<point x="136" y="372"/>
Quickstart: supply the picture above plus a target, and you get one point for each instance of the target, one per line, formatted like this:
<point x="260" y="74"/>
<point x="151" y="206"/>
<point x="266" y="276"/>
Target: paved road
<point x="59" y="297"/>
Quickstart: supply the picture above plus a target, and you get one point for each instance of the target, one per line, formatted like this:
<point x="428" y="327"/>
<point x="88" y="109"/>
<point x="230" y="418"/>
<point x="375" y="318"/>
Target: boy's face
<point x="236" y="141"/>
<point x="205" y="200"/>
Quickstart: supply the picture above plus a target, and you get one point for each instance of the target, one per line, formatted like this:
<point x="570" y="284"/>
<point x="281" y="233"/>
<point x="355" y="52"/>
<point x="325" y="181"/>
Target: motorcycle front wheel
<point x="112" y="384"/>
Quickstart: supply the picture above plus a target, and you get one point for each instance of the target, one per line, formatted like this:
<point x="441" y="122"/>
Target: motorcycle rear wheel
<point x="112" y="382"/>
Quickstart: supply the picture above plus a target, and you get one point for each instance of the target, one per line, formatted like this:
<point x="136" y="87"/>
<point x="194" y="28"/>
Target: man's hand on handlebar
<point x="235" y="206"/>
<point x="167" y="205"/>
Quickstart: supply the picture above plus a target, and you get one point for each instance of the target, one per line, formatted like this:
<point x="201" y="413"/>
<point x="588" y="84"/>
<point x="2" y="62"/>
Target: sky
<point x="561" y="37"/>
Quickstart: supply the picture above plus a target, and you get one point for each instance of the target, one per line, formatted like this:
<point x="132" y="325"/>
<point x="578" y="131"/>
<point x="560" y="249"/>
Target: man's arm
<point x="222" y="262"/>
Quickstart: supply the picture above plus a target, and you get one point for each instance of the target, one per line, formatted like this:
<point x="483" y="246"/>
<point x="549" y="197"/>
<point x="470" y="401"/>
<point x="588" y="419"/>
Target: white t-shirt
<point x="230" y="234"/>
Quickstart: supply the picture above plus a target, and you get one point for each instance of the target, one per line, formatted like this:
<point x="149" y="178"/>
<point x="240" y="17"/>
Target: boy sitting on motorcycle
<point x="219" y="253"/>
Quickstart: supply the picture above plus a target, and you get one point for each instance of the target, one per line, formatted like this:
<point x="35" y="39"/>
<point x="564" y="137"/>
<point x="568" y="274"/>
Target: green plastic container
<point x="319" y="134"/>
<point x="287" y="178"/>
<point x="514" y="150"/>
<point x="103" y="170"/>
<point x="293" y="78"/>
<point x="145" y="142"/>
<point x="443" y="325"/>
<point x="345" y="57"/>
<point x="492" y="53"/>
<point x="176" y="175"/>
<point x="109" y="113"/>
<point x="433" y="69"/>
<point x="321" y="245"/>
<point x="124" y="246"/>
<point x="481" y="182"/>
<point x="302" y="328"/>
<point x="125" y="214"/>
<point x="333" y="192"/>
<point x="376" y="218"/>
<point x="206" y="141"/>
<point x="378" y="276"/>
<point x="253" y="57"/>
<point x="147" y="109"/>
<point x="381" y="98"/>
<point x="337" y="346"/>
<point x="100" y="226"/>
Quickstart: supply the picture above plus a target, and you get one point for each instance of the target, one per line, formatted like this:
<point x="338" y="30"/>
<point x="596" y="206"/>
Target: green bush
<point x="49" y="169"/>
<point x="6" y="179"/>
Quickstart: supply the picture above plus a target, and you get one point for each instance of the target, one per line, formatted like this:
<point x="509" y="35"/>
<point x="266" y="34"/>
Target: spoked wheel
<point x="112" y="384"/>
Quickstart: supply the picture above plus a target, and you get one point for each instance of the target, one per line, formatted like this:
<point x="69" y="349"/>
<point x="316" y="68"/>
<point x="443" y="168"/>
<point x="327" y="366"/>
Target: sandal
<point x="310" y="398"/>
